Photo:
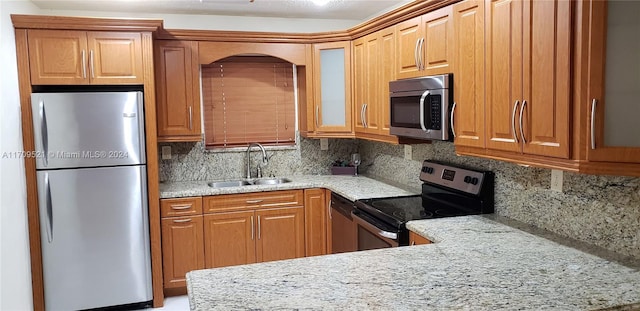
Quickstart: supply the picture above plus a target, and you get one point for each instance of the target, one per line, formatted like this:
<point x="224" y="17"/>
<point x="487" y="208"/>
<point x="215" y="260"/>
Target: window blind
<point x="248" y="99"/>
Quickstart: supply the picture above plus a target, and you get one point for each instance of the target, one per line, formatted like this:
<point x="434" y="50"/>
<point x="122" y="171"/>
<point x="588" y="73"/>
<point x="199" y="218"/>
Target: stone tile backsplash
<point x="190" y="161"/>
<point x="600" y="210"/>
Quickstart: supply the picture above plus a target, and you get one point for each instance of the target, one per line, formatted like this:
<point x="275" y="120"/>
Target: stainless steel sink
<point x="231" y="183"/>
<point x="271" y="181"/>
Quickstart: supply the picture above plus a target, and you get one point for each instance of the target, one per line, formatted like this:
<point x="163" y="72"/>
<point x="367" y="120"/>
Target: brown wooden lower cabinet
<point x="416" y="239"/>
<point x="237" y="238"/>
<point x="316" y="216"/>
<point x="182" y="249"/>
<point x="229" y="239"/>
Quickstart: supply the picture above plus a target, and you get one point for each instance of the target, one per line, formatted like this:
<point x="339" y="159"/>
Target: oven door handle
<point x="385" y="234"/>
<point x="422" y="125"/>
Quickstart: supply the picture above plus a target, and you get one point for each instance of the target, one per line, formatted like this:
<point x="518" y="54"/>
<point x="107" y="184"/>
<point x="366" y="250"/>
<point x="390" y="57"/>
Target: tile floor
<point x="175" y="303"/>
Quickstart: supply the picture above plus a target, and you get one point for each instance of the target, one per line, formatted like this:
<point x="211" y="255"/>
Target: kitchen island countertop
<point x="474" y="264"/>
<point x="350" y="187"/>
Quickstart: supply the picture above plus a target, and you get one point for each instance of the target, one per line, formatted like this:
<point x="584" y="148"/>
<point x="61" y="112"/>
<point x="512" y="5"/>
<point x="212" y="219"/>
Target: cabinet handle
<point x="594" y="102"/>
<point x="330" y="208"/>
<point x="91" y="64"/>
<point x="453" y="128"/>
<point x="84" y="64"/>
<point x="180" y="207"/>
<point x="317" y="112"/>
<point x="182" y="220"/>
<point x="252" y="228"/>
<point x="421" y="54"/>
<point x="415" y="54"/>
<point x="364" y="116"/>
<point x="413" y="243"/>
<point x="259" y="229"/>
<point x="190" y="118"/>
<point x="524" y="103"/>
<point x="422" y="125"/>
<point x="253" y="201"/>
<point x="513" y="121"/>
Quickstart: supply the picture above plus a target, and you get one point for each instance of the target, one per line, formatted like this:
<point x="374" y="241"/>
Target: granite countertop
<point x="350" y="187"/>
<point x="475" y="264"/>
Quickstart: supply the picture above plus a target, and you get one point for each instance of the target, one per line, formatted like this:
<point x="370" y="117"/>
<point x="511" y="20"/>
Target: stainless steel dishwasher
<point x="343" y="229"/>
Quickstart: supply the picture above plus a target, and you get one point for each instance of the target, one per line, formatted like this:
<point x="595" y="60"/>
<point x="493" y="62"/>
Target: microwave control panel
<point x="435" y="102"/>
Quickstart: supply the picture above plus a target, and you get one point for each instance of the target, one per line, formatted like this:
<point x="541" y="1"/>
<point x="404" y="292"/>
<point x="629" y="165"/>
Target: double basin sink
<point x="244" y="182"/>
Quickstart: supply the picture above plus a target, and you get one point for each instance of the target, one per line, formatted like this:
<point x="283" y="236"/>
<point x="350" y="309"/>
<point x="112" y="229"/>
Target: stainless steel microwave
<point x="421" y="107"/>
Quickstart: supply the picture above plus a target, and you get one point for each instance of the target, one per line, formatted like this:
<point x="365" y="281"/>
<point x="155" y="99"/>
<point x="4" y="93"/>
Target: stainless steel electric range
<point x="447" y="191"/>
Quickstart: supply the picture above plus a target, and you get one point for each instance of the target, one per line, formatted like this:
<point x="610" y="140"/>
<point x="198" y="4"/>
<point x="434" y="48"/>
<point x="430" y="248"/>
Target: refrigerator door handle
<point x="49" y="208"/>
<point x="43" y="133"/>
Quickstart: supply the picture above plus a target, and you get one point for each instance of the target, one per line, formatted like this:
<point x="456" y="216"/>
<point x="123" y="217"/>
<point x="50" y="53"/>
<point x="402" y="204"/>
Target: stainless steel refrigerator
<point x="92" y="193"/>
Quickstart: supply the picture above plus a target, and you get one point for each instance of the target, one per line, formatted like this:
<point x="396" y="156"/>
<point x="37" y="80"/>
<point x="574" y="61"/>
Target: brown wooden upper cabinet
<point x="528" y="76"/>
<point x="425" y="44"/>
<point x="374" y="63"/>
<point x="468" y="112"/>
<point x="332" y="90"/>
<point x="59" y="57"/>
<point x="614" y="85"/>
<point x="178" y="91"/>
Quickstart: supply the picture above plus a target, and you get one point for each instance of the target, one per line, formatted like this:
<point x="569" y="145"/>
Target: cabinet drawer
<point x="181" y="207"/>
<point x="230" y="202"/>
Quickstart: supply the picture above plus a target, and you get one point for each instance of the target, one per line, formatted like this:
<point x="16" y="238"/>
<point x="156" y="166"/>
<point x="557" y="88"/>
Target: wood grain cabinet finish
<point x="416" y="239"/>
<point x="182" y="239"/>
<point x="316" y="220"/>
<point x="528" y="48"/>
<point x="425" y="44"/>
<point x="59" y="57"/>
<point x="254" y="227"/>
<point x="178" y="91"/>
<point x="374" y="61"/>
<point x="331" y="108"/>
<point x="468" y="59"/>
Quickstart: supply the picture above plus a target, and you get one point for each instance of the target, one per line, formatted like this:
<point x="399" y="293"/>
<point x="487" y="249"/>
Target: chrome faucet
<point x="265" y="160"/>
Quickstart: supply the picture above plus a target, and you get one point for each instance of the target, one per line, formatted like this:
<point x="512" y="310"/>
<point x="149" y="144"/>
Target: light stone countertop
<point x="474" y="264"/>
<point x="350" y="187"/>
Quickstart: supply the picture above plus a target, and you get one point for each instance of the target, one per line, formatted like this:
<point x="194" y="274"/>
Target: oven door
<point x="420" y="114"/>
<point x="373" y="234"/>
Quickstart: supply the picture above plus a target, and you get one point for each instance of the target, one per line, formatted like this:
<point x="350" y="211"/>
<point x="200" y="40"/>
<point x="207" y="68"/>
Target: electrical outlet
<point x="556" y="180"/>
<point x="166" y="152"/>
<point x="408" y="152"/>
<point x="324" y="144"/>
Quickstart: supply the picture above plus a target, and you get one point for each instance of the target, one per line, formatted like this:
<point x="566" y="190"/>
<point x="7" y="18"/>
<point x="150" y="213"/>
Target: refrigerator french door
<point x="92" y="195"/>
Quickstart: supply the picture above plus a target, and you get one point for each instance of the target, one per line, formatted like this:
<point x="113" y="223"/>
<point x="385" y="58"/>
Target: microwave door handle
<point x="422" y="125"/>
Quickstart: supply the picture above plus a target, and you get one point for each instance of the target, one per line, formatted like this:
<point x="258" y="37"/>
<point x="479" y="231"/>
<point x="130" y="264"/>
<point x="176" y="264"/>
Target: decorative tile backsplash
<point x="600" y="210"/>
<point x="190" y="161"/>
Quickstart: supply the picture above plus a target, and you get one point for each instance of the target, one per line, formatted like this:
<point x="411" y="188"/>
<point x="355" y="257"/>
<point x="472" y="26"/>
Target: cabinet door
<point x="614" y="88"/>
<point x="359" y="83"/>
<point x="229" y="239"/>
<point x="178" y="91"/>
<point x="182" y="249"/>
<point x="115" y="58"/>
<point x="373" y="98"/>
<point x="387" y="71"/>
<point x="547" y="73"/>
<point x="58" y="57"/>
<point x="469" y="110"/>
<point x="280" y="234"/>
<point x="408" y="34"/>
<point x="504" y="73"/>
<point x="332" y="87"/>
<point x="315" y="222"/>
<point x="438" y="41"/>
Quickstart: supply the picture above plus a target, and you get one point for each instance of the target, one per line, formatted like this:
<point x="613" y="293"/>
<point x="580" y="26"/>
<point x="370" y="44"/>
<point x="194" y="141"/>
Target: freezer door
<point x="95" y="237"/>
<point x="88" y="129"/>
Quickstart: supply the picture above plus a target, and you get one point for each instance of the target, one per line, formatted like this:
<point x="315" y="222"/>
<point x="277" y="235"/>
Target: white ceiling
<point x="335" y="9"/>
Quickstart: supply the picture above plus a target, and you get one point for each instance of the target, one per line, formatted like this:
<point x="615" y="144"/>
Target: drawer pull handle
<point x="180" y="207"/>
<point x="182" y="220"/>
<point x="253" y="201"/>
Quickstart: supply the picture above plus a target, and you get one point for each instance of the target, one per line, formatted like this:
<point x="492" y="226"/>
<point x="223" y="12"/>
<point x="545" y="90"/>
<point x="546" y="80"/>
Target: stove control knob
<point x="474" y="180"/>
<point x="424" y="169"/>
<point x="428" y="170"/>
<point x="467" y="179"/>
